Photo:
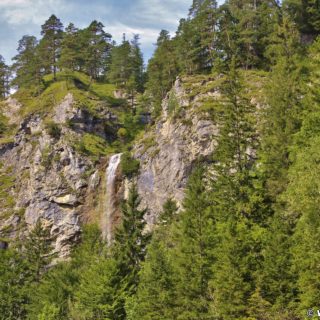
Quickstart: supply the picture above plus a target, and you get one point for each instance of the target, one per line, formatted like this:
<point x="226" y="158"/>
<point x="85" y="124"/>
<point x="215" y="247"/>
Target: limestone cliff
<point x="168" y="152"/>
<point x="54" y="161"/>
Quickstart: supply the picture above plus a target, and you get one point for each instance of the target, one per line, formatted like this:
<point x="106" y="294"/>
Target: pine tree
<point x="96" y="44"/>
<point x="50" y="44"/>
<point x="120" y="67"/>
<point x="27" y="66"/>
<point x="4" y="79"/>
<point x="71" y="49"/>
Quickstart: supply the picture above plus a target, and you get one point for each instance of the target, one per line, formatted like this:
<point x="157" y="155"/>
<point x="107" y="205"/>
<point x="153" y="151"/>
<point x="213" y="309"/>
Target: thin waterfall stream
<point x="111" y="174"/>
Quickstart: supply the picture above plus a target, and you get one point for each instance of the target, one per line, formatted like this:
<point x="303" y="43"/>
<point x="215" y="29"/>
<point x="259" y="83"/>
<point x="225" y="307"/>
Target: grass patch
<point x="44" y="102"/>
<point x="52" y="128"/>
<point x="93" y="146"/>
<point x="148" y="143"/>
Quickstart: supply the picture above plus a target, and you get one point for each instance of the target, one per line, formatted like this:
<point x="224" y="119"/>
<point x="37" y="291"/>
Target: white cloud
<point x="13" y="2"/>
<point x="17" y="12"/>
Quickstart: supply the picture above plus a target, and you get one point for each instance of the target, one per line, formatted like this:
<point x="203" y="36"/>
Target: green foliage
<point x="122" y="134"/>
<point x="129" y="249"/>
<point x="53" y="129"/>
<point x="129" y="165"/>
<point x="21" y="270"/>
<point x="126" y="67"/>
<point x="4" y="79"/>
<point x="148" y="143"/>
<point x="245" y="243"/>
<point x="94" y="298"/>
<point x="92" y="145"/>
<point x="193" y="238"/>
<point x="162" y="71"/>
<point x="50" y="44"/>
<point x="173" y="105"/>
<point x="13" y="295"/>
<point x="7" y="182"/>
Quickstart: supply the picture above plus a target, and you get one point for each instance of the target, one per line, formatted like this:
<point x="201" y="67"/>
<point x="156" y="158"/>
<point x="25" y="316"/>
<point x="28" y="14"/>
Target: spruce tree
<point x="306" y="14"/>
<point x="57" y="295"/>
<point x="50" y="44"/>
<point x="301" y="194"/>
<point x="203" y="18"/>
<point x="238" y="204"/>
<point x="13" y="283"/>
<point x="137" y="68"/>
<point x="96" y="294"/>
<point x="129" y="250"/>
<point x="192" y="258"/>
<point x="282" y="117"/>
<point x="156" y="297"/>
<point x="37" y="250"/>
<point x="162" y="70"/>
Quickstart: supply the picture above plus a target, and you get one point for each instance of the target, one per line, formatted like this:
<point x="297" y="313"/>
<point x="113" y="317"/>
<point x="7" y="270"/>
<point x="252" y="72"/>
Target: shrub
<point x="129" y="165"/>
<point x="122" y="134"/>
<point x="53" y="129"/>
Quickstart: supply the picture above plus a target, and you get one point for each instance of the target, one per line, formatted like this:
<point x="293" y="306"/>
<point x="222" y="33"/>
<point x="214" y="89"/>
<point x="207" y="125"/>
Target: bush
<point x="53" y="129"/>
<point x="129" y="165"/>
<point x="122" y="134"/>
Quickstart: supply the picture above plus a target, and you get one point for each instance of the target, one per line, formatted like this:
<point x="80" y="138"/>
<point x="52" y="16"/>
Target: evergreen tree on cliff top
<point x="4" y="79"/>
<point x="27" y="65"/>
<point x="96" y="48"/>
<point x="71" y="49"/>
<point x="50" y="44"/>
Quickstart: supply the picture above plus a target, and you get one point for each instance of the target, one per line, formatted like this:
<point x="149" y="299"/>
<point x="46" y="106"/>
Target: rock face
<point x="168" y="153"/>
<point x="52" y="180"/>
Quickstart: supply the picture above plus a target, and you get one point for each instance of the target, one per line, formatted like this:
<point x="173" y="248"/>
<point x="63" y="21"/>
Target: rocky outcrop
<point x="47" y="176"/>
<point x="168" y="153"/>
<point x="52" y="180"/>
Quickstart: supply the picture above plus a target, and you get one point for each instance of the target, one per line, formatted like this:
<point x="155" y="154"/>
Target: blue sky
<point x="146" y="17"/>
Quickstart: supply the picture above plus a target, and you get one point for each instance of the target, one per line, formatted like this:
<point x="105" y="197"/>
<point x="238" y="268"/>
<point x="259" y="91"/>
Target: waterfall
<point x="110" y="211"/>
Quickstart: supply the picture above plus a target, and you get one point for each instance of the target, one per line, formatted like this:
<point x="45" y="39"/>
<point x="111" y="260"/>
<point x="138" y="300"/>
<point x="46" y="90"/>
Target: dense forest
<point x="245" y="244"/>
